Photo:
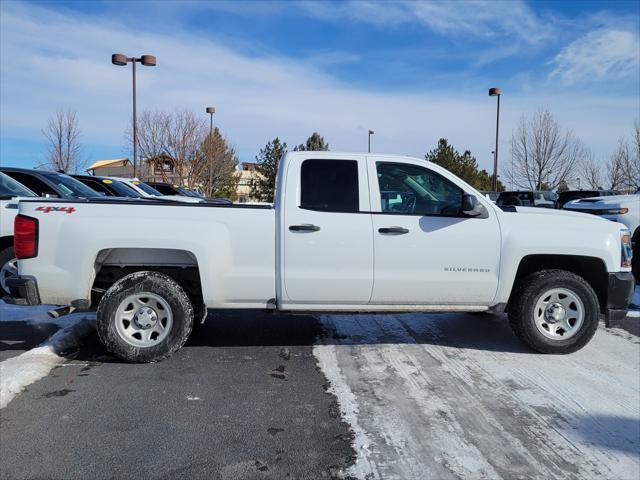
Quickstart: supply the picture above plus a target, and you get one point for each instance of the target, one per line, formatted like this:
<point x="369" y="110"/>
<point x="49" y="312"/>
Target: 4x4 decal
<point x="55" y="209"/>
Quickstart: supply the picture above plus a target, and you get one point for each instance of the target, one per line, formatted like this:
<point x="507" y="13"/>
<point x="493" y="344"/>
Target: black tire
<point x="523" y="302"/>
<point x="6" y="256"/>
<point x="149" y="282"/>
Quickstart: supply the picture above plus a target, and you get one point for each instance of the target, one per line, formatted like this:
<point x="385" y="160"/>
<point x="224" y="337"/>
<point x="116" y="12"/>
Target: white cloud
<point x="603" y="54"/>
<point x="488" y="19"/>
<point x="51" y="60"/>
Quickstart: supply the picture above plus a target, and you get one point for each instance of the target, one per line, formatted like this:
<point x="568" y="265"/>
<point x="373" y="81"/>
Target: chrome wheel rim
<point x="8" y="270"/>
<point x="559" y="314"/>
<point x="143" y="319"/>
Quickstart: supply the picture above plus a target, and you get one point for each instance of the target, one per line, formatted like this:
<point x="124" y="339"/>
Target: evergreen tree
<point x="464" y="166"/>
<point x="315" y="143"/>
<point x="263" y="187"/>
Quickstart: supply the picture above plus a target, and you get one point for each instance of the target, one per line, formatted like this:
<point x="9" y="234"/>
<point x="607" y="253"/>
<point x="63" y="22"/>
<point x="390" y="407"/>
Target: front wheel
<point x="144" y="317"/>
<point x="554" y="311"/>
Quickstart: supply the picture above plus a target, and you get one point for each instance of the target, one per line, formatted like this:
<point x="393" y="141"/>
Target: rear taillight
<point x="25" y="237"/>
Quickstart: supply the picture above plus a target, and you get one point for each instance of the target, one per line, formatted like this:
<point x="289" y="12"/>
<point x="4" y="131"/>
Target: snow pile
<point x="17" y="373"/>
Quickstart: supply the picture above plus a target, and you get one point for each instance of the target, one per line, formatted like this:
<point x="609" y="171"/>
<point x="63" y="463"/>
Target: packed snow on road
<point x="457" y="396"/>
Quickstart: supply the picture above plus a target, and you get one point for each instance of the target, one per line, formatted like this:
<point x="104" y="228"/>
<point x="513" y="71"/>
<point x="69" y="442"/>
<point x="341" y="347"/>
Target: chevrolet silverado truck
<point x="347" y="233"/>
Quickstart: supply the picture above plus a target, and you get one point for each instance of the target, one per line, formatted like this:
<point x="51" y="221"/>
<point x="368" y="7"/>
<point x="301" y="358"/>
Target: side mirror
<point x="472" y="208"/>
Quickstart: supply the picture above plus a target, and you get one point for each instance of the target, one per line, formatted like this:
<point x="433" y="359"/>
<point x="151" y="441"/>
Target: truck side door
<point x="326" y="231"/>
<point x="426" y="250"/>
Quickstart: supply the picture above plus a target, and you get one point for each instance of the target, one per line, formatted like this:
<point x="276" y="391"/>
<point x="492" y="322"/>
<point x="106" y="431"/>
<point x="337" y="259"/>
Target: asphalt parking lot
<point x="393" y="396"/>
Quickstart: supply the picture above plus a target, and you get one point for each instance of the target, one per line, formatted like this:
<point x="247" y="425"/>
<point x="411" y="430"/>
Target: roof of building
<point x="109" y="163"/>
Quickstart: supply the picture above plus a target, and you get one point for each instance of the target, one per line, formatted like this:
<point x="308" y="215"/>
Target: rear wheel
<point x="8" y="269"/>
<point x="144" y="317"/>
<point x="554" y="311"/>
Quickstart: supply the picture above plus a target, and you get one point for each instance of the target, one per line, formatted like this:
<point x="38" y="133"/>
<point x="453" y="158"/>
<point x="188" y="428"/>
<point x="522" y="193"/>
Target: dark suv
<point x="50" y="184"/>
<point x="569" y="195"/>
<point x="108" y="186"/>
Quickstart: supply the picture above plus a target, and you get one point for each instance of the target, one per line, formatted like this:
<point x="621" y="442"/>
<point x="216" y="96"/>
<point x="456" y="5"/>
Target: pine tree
<point x="315" y="143"/>
<point x="464" y="166"/>
<point x="263" y="186"/>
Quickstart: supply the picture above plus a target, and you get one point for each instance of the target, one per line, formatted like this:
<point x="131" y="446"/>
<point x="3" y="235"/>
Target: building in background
<point x="162" y="169"/>
<point x="247" y="173"/>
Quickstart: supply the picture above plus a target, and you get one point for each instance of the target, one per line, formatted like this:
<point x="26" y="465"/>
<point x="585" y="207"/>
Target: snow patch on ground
<point x="457" y="396"/>
<point x="17" y="373"/>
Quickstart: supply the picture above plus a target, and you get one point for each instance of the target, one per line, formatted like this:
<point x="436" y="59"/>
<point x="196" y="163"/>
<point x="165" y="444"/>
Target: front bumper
<point x="23" y="290"/>
<point x="619" y="293"/>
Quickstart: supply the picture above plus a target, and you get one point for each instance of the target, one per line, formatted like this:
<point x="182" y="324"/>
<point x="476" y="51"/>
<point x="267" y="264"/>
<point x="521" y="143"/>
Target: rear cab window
<point x="329" y="186"/>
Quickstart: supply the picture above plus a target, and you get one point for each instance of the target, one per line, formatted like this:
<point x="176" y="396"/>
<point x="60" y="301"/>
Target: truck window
<point x="329" y="185"/>
<point x="412" y="190"/>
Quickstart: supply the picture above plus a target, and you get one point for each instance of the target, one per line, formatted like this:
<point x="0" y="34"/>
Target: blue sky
<point x="411" y="71"/>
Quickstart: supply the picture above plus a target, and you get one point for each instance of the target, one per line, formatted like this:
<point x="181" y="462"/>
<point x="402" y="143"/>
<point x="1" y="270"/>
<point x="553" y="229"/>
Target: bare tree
<point x="199" y="157"/>
<point x="632" y="160"/>
<point x="64" y="149"/>
<point x="617" y="166"/>
<point x="542" y="153"/>
<point x="591" y="172"/>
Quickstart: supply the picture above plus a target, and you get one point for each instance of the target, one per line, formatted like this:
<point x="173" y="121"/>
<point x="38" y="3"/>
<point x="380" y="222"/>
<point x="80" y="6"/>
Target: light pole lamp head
<point x="495" y="92"/>
<point x="148" y="60"/>
<point x="371" y="132"/>
<point x="211" y="110"/>
<point x="119" y="59"/>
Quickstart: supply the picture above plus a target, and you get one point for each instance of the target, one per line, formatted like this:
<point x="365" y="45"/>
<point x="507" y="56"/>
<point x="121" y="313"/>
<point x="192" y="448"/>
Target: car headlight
<point x="614" y="211"/>
<point x="627" y="251"/>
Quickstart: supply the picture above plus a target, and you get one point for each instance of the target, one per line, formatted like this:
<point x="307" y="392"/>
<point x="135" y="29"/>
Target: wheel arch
<point x="6" y="241"/>
<point x="115" y="263"/>
<point x="592" y="269"/>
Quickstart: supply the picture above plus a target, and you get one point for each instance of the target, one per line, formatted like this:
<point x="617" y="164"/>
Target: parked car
<point x="491" y="195"/>
<point x="50" y="184"/>
<point x="10" y="191"/>
<point x="169" y="189"/>
<point x="568" y="195"/>
<point x="526" y="198"/>
<point x="108" y="186"/>
<point x="624" y="209"/>
<point x="347" y="232"/>
<point x="147" y="191"/>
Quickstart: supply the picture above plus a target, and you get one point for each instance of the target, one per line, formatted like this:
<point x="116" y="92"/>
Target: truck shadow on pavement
<point x="261" y="329"/>
<point x="17" y="337"/>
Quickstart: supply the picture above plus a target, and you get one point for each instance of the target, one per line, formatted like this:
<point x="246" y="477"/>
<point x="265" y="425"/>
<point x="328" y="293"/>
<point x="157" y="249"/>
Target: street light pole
<point x="371" y="132"/>
<point x="210" y="111"/>
<point x="496" y="92"/>
<point x="135" y="121"/>
<point x="148" y="61"/>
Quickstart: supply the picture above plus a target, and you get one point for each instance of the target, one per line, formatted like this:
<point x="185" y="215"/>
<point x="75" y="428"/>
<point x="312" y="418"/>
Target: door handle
<point x="307" y="227"/>
<point x="393" y="230"/>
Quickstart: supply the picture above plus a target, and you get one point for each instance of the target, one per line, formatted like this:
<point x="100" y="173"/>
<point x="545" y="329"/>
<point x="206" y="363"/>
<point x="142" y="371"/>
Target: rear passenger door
<point x="327" y="232"/>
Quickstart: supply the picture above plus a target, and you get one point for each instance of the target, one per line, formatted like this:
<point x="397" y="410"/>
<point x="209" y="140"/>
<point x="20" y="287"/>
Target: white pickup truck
<point x="347" y="232"/>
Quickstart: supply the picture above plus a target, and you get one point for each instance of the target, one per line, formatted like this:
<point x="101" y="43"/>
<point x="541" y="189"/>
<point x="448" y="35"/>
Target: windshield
<point x="551" y="196"/>
<point x="188" y="193"/>
<point x="518" y="199"/>
<point x="10" y="188"/>
<point x="72" y="187"/>
<point x="122" y="189"/>
<point x="146" y="188"/>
